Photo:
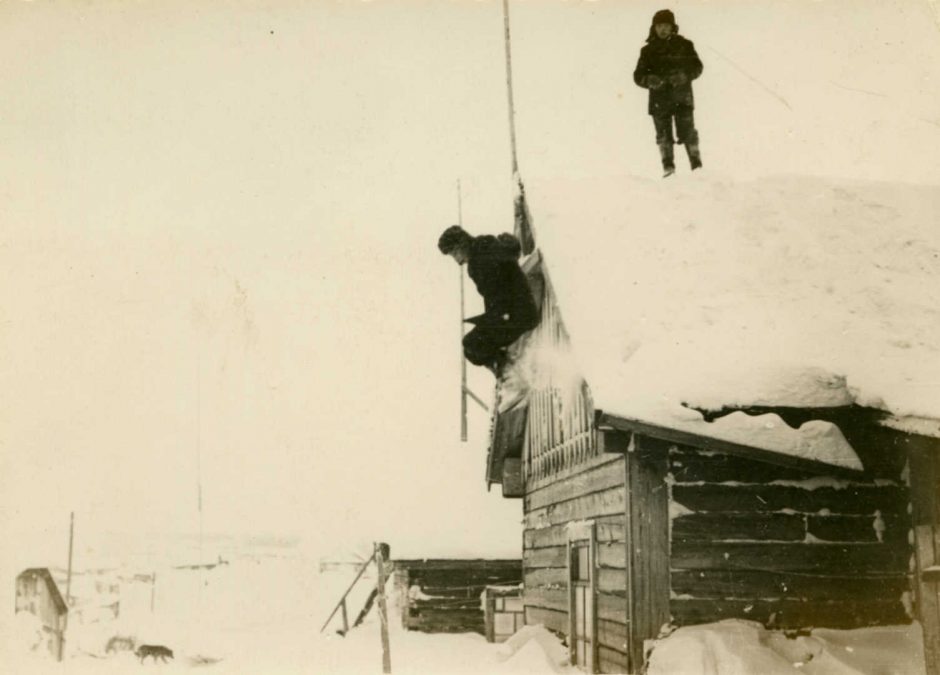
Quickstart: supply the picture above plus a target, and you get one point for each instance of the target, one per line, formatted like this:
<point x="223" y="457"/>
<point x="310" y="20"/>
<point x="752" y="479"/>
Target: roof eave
<point x="607" y="421"/>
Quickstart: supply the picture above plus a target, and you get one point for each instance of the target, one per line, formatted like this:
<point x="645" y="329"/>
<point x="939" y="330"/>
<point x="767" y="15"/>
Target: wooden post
<point x="345" y="618"/>
<point x="647" y="548"/>
<point x="381" y="553"/>
<point x="489" y="615"/>
<point x="68" y="580"/>
<point x="572" y="623"/>
<point x="595" y="647"/>
<point x="60" y="649"/>
<point x="924" y="456"/>
<point x="630" y="544"/>
<point x="153" y="590"/>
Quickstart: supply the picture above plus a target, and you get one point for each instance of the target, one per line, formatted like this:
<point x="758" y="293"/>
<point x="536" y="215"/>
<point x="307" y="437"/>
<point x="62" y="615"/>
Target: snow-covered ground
<point x="262" y="613"/>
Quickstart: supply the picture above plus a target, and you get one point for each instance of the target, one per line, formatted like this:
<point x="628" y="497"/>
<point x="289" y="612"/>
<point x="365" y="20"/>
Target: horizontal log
<point x="461" y="591"/>
<point x="450" y="627"/>
<point x="724" y="526"/>
<point x="612" y="555"/>
<point x="546" y="557"/>
<point x="546" y="576"/>
<point x="546" y="599"/>
<point x="572" y="471"/>
<point x="442" y="600"/>
<point x="747" y="585"/>
<point x="445" y="579"/>
<point x="612" y="634"/>
<point x="893" y="527"/>
<point x="422" y="565"/>
<point x="854" y="499"/>
<point x="814" y="558"/>
<point x="694" y="467"/>
<point x="931" y="575"/>
<point x="790" y="614"/>
<point x="465" y="573"/>
<point x="445" y="604"/>
<point x="609" y="607"/>
<point x="607" y="503"/>
<point x="612" y="580"/>
<point x="611" y="660"/>
<point x="544" y="537"/>
<point x="608" y="579"/>
<point x="596" y="479"/>
<point x="608" y="555"/>
<point x="552" y="620"/>
<point x="447" y="621"/>
<point x="607" y="529"/>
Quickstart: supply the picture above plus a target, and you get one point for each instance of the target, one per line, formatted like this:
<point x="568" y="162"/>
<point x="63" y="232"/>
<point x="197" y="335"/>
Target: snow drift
<point x="735" y="647"/>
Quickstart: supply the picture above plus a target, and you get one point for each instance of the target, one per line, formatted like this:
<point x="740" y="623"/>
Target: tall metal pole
<point x="512" y="110"/>
<point x="463" y="360"/>
<point x="68" y="580"/>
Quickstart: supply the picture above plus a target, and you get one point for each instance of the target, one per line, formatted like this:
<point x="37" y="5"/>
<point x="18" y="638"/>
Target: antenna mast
<point x="512" y="109"/>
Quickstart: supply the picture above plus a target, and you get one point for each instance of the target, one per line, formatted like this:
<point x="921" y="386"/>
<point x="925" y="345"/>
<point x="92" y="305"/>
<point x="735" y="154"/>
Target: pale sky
<point x="219" y="222"/>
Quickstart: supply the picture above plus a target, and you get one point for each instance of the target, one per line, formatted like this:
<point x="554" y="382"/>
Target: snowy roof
<point x="782" y="291"/>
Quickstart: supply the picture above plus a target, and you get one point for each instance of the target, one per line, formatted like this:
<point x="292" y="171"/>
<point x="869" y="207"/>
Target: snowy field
<point x="263" y="610"/>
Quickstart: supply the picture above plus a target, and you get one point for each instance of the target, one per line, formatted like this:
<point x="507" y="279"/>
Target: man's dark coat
<point x="664" y="58"/>
<point x="507" y="301"/>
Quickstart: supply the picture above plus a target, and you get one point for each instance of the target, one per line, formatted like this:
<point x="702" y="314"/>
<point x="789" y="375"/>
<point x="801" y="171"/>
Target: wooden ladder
<point x="379" y="555"/>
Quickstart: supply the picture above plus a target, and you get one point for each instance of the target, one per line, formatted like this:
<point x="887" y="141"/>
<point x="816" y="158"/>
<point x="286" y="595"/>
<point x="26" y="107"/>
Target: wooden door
<point x="582" y="613"/>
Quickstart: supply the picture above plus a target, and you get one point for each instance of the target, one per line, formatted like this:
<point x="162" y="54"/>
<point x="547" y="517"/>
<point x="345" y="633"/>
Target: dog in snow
<point x="155" y="652"/>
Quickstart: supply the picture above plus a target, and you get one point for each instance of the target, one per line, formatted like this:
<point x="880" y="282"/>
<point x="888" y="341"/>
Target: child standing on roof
<point x="667" y="65"/>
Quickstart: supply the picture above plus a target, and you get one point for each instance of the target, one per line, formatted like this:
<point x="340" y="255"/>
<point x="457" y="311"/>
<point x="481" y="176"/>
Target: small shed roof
<point x="45" y="575"/>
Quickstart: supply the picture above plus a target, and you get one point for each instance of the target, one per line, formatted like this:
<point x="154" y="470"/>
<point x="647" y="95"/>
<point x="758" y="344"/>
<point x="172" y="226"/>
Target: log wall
<point x="443" y="596"/>
<point x="593" y="490"/>
<point x="785" y="547"/>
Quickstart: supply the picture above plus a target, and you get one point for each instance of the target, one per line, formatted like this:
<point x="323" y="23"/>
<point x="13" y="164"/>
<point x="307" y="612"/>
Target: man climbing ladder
<point x="509" y="310"/>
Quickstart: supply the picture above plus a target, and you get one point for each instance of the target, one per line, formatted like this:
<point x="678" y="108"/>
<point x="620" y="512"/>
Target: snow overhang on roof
<point x="920" y="426"/>
<point x="825" y="447"/>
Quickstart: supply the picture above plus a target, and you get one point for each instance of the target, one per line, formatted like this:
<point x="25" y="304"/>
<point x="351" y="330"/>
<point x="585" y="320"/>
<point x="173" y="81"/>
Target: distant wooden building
<point x="444" y="595"/>
<point x="634" y="527"/>
<point x="38" y="594"/>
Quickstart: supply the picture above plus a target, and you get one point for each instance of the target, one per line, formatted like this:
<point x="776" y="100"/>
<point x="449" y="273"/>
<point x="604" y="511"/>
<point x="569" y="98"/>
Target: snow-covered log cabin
<point x="729" y="409"/>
